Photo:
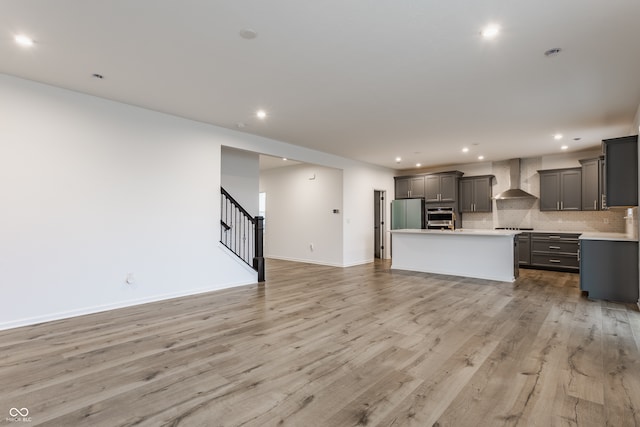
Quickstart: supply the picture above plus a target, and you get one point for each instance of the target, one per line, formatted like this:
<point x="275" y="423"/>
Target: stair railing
<point x="241" y="233"/>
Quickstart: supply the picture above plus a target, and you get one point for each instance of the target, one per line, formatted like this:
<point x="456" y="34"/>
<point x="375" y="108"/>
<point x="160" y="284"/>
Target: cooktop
<point x="515" y="228"/>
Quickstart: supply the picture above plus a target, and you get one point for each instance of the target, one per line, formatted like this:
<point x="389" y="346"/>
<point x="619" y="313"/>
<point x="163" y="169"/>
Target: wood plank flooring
<point x="324" y="346"/>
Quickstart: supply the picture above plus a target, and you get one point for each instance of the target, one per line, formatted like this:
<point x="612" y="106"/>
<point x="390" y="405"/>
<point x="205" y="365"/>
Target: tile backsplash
<point x="526" y="212"/>
<point x="611" y="221"/>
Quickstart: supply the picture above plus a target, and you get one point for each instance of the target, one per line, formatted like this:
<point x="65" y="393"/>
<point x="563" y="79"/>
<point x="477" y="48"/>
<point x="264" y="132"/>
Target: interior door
<point x="378" y="224"/>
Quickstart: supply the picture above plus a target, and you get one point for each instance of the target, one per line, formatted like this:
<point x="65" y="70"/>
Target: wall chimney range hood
<point x="514" y="191"/>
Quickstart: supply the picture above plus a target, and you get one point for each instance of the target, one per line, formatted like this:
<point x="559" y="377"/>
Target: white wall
<point x="93" y="190"/>
<point x="300" y="223"/>
<point x="356" y="214"/>
<point x="240" y="176"/>
<point x="567" y="160"/>
<point x="359" y="185"/>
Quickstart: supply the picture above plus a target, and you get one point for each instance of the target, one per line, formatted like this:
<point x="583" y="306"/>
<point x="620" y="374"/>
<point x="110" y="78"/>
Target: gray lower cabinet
<point x="609" y="270"/>
<point x="555" y="251"/>
<point x="621" y="169"/>
<point x="524" y="247"/>
<point x="561" y="189"/>
<point x="475" y="194"/>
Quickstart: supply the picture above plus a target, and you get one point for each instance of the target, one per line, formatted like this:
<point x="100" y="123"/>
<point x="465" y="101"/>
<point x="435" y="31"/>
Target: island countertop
<point x="459" y="232"/>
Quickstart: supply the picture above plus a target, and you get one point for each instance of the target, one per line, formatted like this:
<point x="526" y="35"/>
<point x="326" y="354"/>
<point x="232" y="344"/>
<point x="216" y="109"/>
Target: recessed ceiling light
<point x="480" y="157"/>
<point x="564" y="147"/>
<point x="491" y="31"/>
<point x="398" y="159"/>
<point x="465" y="150"/>
<point x="418" y="165"/>
<point x="284" y="159"/>
<point x="248" y="33"/>
<point x="261" y="114"/>
<point x="23" y="40"/>
<point x="557" y="136"/>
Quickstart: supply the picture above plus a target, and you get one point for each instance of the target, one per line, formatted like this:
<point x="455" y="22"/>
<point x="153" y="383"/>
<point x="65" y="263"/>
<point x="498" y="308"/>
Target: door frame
<point x="379" y="223"/>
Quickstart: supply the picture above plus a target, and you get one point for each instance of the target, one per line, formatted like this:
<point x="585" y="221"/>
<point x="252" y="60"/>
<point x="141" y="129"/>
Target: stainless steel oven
<point x="440" y="217"/>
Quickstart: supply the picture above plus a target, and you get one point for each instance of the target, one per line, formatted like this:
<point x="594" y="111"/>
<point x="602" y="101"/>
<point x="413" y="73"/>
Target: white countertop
<point x="459" y="232"/>
<point x="618" y="237"/>
<point x="591" y="235"/>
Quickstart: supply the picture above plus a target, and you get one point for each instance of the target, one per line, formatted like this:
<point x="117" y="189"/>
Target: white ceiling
<point x="363" y="79"/>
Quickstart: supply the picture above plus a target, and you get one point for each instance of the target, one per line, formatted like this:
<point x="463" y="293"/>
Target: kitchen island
<point x="482" y="254"/>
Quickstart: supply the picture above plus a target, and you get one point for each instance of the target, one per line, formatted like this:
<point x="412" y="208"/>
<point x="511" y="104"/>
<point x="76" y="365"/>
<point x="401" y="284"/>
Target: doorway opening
<point x="379" y="197"/>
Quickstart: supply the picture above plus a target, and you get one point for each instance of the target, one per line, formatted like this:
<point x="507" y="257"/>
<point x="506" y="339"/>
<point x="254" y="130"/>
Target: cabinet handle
<point x="555" y="260"/>
<point x="595" y="205"/>
<point x="554" y="247"/>
<point x="561" y="206"/>
<point x="554" y="237"/>
<point x="557" y="206"/>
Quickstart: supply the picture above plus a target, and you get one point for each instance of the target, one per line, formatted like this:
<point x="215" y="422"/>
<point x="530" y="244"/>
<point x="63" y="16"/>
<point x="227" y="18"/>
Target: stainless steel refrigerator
<point x="407" y="213"/>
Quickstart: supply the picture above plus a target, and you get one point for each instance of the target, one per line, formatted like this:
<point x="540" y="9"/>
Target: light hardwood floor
<point x="323" y="346"/>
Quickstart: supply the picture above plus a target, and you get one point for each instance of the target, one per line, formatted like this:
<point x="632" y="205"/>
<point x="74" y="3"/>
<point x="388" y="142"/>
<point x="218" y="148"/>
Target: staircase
<point x="241" y="233"/>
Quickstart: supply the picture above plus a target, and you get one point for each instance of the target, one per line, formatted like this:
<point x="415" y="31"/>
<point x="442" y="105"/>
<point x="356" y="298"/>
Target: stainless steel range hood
<point x="514" y="191"/>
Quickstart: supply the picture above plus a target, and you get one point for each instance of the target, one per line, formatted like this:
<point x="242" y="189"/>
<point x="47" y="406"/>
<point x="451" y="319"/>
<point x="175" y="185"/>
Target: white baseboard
<point x="362" y="262"/>
<point x="308" y="261"/>
<point x="100" y="308"/>
<point x="329" y="264"/>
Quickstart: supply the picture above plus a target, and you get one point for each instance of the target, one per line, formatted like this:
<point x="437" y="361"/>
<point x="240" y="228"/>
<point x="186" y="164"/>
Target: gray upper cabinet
<point x="475" y="194"/>
<point x="432" y="188"/>
<point x="561" y="189"/>
<point x="621" y="171"/>
<point x="466" y="195"/>
<point x="417" y="187"/>
<point x="403" y="187"/>
<point x="438" y="187"/>
<point x="448" y="188"/>
<point x="441" y="187"/>
<point x="591" y="189"/>
<point x="409" y="187"/>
